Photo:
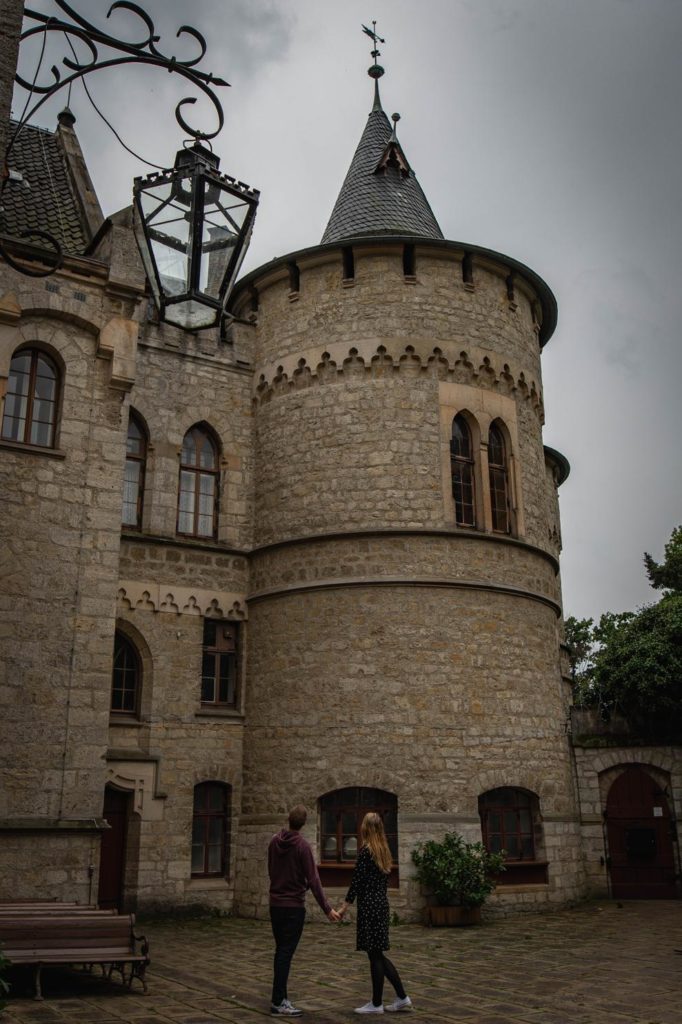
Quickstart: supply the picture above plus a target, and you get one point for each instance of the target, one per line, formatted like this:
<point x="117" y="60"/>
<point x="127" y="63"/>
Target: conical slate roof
<point x="380" y="194"/>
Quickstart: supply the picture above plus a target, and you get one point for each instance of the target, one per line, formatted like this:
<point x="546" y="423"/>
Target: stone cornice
<point x="430" y="582"/>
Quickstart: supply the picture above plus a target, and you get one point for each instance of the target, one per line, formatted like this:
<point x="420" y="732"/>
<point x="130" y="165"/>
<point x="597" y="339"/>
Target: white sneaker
<point x="399" y="1004"/>
<point x="369" y="1008"/>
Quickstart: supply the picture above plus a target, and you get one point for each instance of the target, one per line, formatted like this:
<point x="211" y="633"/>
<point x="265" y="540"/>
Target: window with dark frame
<point x="499" y="483"/>
<point x="126" y="677"/>
<point x="199" y="485"/>
<point x="219" y="666"/>
<point x="462" y="469"/>
<point x="31" y="400"/>
<point x="341" y="814"/>
<point x="134" y="473"/>
<point x="211" y="830"/>
<point x="509" y="824"/>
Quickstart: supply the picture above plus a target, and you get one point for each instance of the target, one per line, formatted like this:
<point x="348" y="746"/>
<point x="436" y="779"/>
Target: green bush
<point x="455" y="872"/>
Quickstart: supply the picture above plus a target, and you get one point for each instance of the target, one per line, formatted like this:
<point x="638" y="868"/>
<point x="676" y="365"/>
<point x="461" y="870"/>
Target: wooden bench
<point x="105" y="939"/>
<point x="53" y="910"/>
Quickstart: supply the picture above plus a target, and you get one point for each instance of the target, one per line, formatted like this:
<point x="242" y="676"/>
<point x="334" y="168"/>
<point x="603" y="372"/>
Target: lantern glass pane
<point x="167" y="211"/>
<point x="224" y="217"/>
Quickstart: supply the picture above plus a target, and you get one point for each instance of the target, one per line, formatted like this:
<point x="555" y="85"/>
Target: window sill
<point x="206" y="884"/>
<point x="128" y="723"/>
<point x="32" y="449"/>
<point x="208" y="712"/>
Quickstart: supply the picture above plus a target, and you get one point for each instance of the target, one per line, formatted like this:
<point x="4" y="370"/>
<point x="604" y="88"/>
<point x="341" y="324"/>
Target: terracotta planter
<point x="453" y="917"/>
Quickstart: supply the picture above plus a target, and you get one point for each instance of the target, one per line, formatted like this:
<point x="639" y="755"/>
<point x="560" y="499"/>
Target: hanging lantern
<point x="193" y="227"/>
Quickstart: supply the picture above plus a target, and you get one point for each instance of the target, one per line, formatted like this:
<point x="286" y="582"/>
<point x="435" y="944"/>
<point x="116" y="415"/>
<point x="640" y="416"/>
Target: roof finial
<point x="376" y="70"/>
<point x="395" y="118"/>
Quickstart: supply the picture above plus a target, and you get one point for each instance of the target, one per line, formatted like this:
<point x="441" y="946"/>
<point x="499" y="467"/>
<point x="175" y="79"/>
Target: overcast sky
<point x="549" y="130"/>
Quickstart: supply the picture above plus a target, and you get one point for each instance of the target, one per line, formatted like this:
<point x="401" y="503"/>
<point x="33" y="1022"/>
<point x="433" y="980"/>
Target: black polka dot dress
<point x="369" y="884"/>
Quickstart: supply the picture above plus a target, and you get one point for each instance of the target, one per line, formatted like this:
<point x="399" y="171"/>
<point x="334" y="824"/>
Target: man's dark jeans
<point x="287" y="927"/>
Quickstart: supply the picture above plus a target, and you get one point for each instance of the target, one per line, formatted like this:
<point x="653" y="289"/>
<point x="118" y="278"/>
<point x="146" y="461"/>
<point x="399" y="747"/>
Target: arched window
<point x="462" y="468"/>
<point x="499" y="483"/>
<point x="511" y="822"/>
<point x="126" y="682"/>
<point x="211" y="830"/>
<point x="30" y="414"/>
<point x="134" y="473"/>
<point x="199" y="484"/>
<point x="341" y="814"/>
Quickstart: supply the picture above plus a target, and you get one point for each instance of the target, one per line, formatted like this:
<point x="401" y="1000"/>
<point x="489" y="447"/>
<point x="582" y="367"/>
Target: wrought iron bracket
<point x="144" y="51"/>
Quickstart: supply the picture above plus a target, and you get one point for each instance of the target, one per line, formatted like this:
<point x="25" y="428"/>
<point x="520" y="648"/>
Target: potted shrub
<point x="458" y="876"/>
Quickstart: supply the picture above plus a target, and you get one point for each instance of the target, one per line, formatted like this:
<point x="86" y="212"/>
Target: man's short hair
<point x="297" y="817"/>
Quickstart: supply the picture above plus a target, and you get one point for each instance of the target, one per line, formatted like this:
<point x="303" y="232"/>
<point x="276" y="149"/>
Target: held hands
<point x="334" y="915"/>
<point x="342" y="910"/>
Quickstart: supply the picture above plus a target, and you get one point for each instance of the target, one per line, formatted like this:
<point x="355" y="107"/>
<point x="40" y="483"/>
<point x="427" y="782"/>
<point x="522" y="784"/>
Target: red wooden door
<point x="117" y="806"/>
<point x="640" y="836"/>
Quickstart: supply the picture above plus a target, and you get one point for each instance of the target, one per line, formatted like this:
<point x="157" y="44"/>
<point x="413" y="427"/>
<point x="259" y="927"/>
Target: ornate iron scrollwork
<point x="144" y="51"/>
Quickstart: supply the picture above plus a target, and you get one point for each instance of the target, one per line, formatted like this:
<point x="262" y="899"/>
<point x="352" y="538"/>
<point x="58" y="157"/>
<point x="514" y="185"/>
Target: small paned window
<point x="219" y="664"/>
<point x="507" y="821"/>
<point x="126" y="678"/>
<point x="199" y="485"/>
<point x="211" y="830"/>
<point x="499" y="483"/>
<point x="341" y="814"/>
<point x="510" y="823"/>
<point x="134" y="473"/>
<point x="462" y="468"/>
<point x="30" y="414"/>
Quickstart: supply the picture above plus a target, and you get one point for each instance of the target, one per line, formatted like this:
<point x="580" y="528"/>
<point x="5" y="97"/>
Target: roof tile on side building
<point x="45" y="199"/>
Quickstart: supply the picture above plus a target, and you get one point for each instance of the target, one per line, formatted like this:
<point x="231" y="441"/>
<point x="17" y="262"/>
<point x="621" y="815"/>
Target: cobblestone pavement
<point x="597" y="964"/>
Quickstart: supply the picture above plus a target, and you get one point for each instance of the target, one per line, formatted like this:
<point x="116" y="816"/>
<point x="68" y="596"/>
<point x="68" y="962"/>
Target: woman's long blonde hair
<point x="374" y="838"/>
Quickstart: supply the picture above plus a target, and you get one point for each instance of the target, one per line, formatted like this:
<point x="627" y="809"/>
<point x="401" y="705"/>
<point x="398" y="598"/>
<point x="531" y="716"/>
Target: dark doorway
<point x="117" y="807"/>
<point x="640" y="836"/>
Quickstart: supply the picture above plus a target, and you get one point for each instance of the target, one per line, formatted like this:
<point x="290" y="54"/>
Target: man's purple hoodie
<point x="292" y="870"/>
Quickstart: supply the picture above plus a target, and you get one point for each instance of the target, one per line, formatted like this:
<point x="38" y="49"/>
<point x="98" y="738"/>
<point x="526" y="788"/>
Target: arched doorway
<point x="112" y="864"/>
<point x="640" y="836"/>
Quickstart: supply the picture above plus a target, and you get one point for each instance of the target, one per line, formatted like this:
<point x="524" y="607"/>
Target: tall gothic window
<point x="199" y="484"/>
<point x="134" y="473"/>
<point x="499" y="480"/>
<point x="219" y="675"/>
<point x="30" y="414"/>
<point x="126" y="677"/>
<point x="462" y="468"/>
<point x="211" y="830"/>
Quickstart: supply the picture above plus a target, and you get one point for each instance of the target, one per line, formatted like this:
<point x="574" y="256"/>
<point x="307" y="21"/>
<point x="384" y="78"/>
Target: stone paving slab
<point x="601" y="963"/>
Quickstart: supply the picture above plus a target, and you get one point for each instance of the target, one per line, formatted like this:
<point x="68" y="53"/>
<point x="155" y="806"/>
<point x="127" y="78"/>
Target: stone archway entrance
<point x="640" y="837"/>
<point x="117" y="808"/>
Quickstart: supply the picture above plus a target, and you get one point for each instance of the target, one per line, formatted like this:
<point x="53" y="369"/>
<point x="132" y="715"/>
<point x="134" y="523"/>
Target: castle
<point x="313" y="558"/>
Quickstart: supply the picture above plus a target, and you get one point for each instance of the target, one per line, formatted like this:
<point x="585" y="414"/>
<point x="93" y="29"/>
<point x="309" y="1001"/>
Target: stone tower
<point x="405" y="605"/>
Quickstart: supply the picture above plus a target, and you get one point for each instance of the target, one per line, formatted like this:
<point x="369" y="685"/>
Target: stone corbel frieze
<point x="171" y="599"/>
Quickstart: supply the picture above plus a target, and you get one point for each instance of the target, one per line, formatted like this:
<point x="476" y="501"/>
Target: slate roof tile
<point x="387" y="203"/>
<point x="45" y="200"/>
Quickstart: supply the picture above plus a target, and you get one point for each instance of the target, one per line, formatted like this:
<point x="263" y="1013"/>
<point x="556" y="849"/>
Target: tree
<point x="630" y="663"/>
<point x="668" y="575"/>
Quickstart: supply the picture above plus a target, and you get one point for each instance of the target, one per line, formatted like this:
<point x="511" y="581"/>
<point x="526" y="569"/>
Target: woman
<point x="369" y="884"/>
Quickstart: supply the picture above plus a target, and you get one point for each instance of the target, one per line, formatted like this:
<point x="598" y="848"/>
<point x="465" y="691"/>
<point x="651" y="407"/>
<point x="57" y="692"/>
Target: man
<point x="292" y="870"/>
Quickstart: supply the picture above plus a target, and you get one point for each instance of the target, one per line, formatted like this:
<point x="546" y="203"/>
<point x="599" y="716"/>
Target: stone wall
<point x="60" y="520"/>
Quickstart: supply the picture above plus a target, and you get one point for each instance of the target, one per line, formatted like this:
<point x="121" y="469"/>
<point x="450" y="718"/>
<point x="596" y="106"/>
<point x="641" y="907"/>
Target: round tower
<point x="403" y="647"/>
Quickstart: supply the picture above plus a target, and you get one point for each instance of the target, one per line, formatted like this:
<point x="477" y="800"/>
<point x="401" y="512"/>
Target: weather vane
<point x="376" y="71"/>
